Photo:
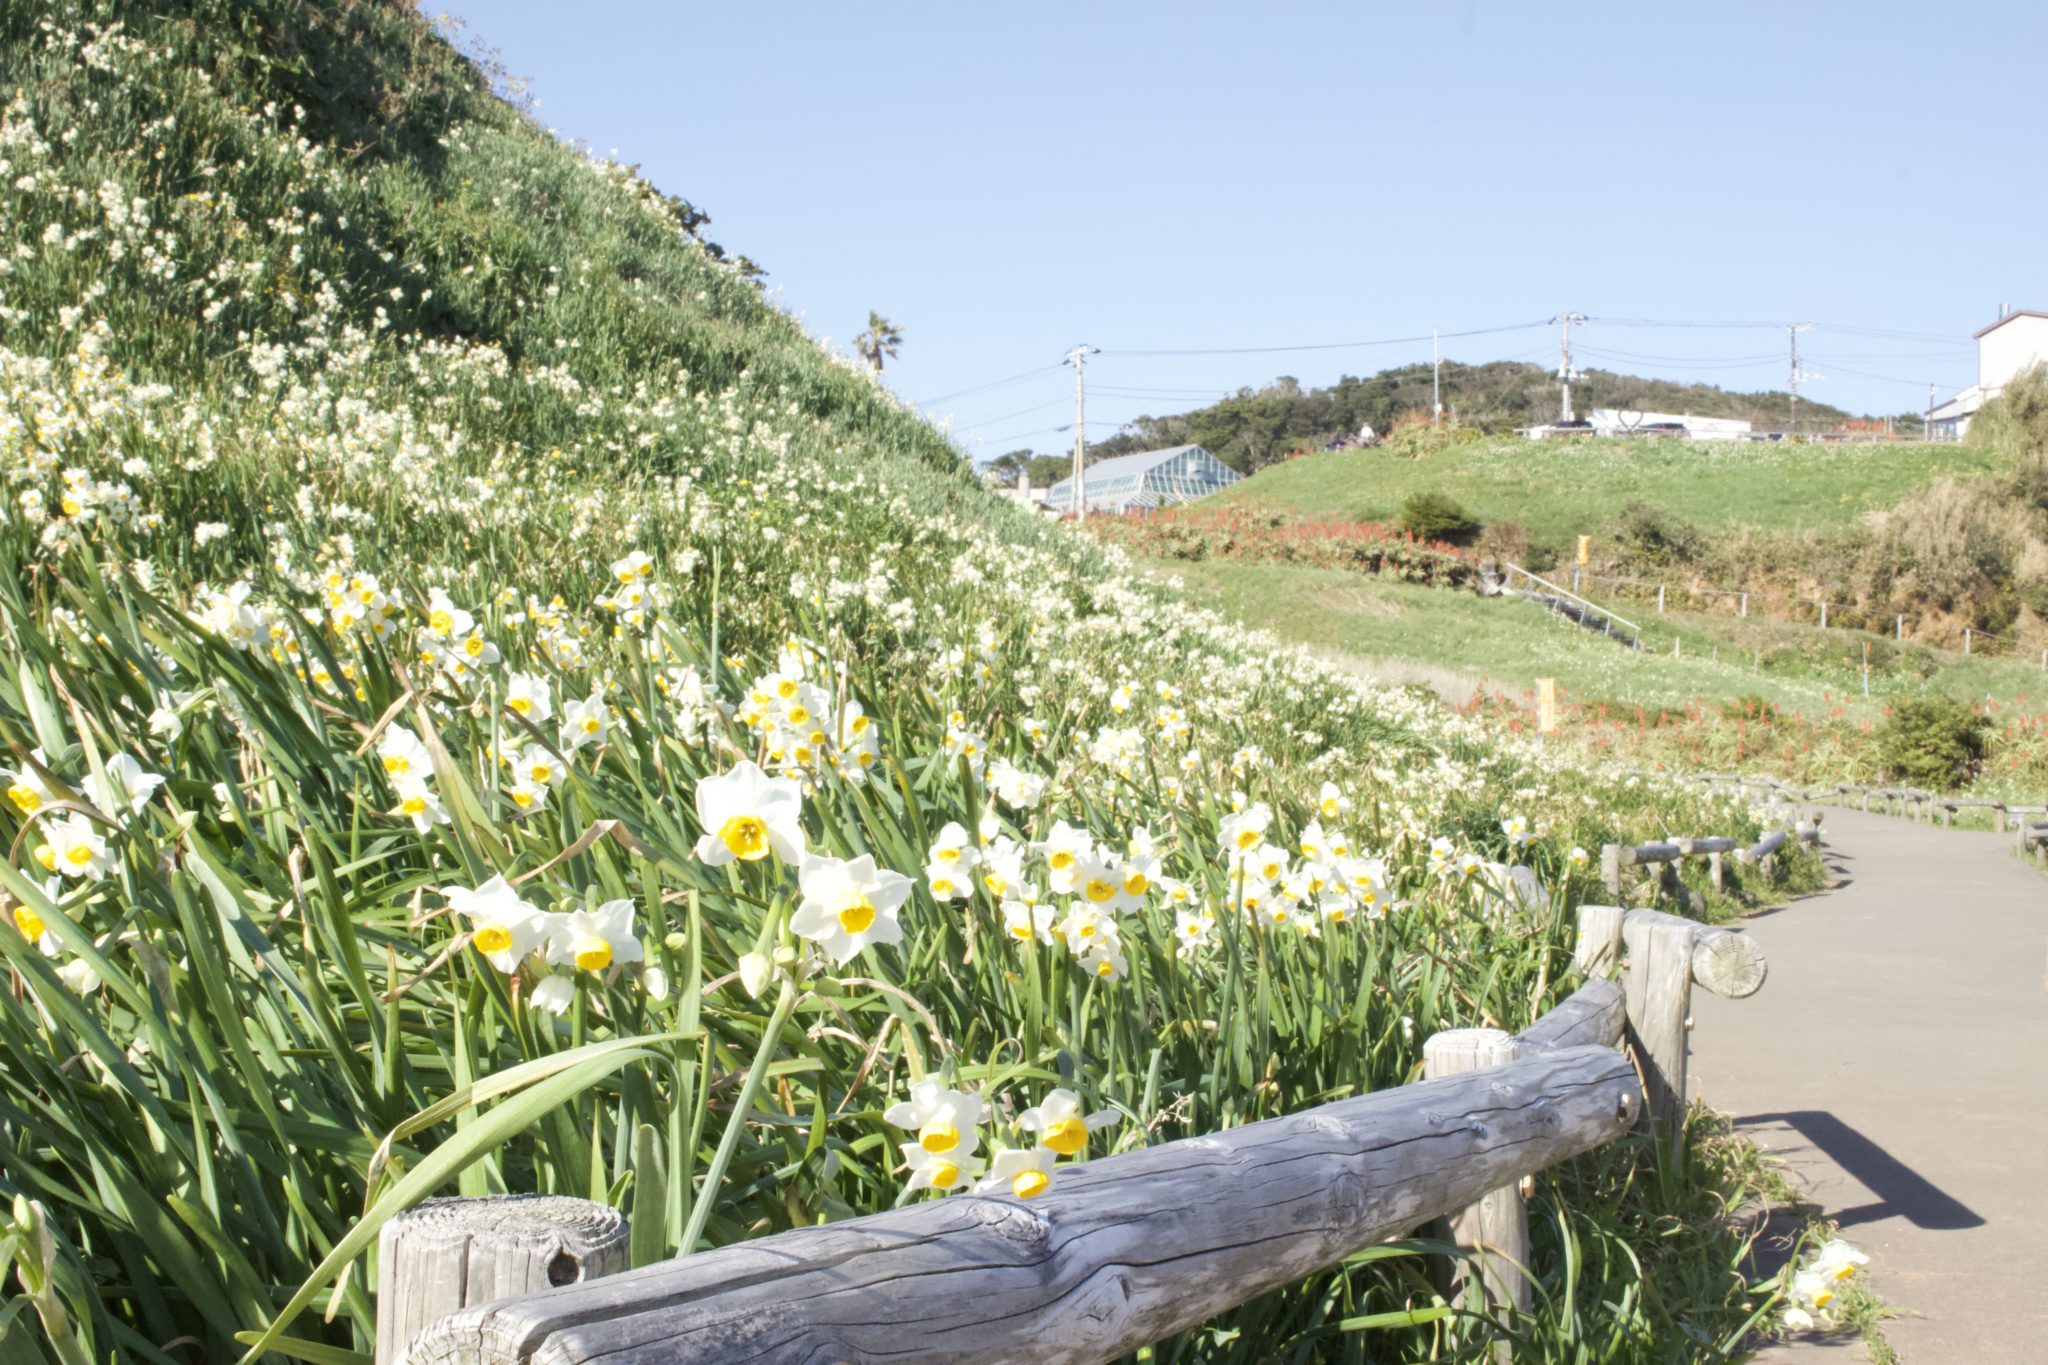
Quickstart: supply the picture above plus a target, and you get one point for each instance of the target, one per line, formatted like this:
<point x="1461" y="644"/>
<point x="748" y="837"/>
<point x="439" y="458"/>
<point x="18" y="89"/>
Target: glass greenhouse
<point x="1151" y="478"/>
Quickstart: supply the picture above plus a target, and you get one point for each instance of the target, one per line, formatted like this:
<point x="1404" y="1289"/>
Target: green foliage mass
<point x="1255" y="427"/>
<point x="1933" y="742"/>
<point x="1437" y="516"/>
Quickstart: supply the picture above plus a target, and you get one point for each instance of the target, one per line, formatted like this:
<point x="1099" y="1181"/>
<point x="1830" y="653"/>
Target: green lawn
<point x="1560" y="489"/>
<point x="1456" y="642"/>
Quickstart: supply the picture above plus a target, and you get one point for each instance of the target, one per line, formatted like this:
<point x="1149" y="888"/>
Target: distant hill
<point x="1256" y="427"/>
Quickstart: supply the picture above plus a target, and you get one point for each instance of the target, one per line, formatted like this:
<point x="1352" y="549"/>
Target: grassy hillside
<point x="1254" y="428"/>
<point x="453" y="625"/>
<point x="1559" y="490"/>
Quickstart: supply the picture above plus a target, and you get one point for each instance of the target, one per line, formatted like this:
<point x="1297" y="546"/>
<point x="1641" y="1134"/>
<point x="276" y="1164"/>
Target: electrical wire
<point x="986" y="388"/>
<point x="1327" y="345"/>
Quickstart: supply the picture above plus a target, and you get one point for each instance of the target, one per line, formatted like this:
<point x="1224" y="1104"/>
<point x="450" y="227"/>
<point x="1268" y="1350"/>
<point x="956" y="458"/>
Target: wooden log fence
<point x="2028" y="824"/>
<point x="1124" y="1249"/>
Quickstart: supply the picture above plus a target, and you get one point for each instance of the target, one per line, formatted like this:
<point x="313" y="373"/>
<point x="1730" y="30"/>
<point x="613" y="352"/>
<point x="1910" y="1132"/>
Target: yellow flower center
<point x="521" y="704"/>
<point x="78" y="855"/>
<point x="47" y="856"/>
<point x="995" y="883"/>
<point x="442" y="622"/>
<point x="1136" y="883"/>
<point x="1099" y="889"/>
<point x="1247" y="838"/>
<point x="942" y="886"/>
<point x="29" y="922"/>
<point x="1823" y="1298"/>
<point x="786" y="688"/>
<point x="1028" y="1184"/>
<point x="541" y="772"/>
<point x="945" y="1174"/>
<point x="746" y="836"/>
<point x="799" y="715"/>
<point x="1021" y="930"/>
<point x="949" y="856"/>
<point x="856" y="919"/>
<point x="494" y="938"/>
<point x="414" y="805"/>
<point x="1060" y="860"/>
<point x="26" y="798"/>
<point x="1065" y="1136"/>
<point x="936" y="1137"/>
<point x="1330" y="809"/>
<point x="397" y="764"/>
<point x="593" y="955"/>
<point x="1105" y="968"/>
<point x="591" y="725"/>
<point x="474" y="646"/>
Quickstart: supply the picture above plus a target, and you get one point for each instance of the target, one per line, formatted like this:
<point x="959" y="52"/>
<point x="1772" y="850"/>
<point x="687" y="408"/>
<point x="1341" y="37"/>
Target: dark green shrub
<point x="1656" y="536"/>
<point x="1437" y="516"/>
<point x="1933" y="742"/>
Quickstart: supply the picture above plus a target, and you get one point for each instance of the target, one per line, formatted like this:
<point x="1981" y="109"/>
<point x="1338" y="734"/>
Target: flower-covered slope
<point x="452" y="623"/>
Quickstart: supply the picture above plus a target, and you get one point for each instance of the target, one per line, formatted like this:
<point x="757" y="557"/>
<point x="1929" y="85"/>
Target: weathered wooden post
<point x="1610" y="868"/>
<point x="1597" y="953"/>
<point x="448" y="1254"/>
<point x="1667" y="955"/>
<point x="1495" y="1229"/>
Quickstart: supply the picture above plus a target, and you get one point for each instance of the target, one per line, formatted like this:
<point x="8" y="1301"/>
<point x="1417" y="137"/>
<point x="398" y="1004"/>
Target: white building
<point x="1626" y="422"/>
<point x="2017" y="340"/>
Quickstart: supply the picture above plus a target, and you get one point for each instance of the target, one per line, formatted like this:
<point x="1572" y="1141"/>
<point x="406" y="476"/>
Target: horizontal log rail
<point x="1125" y="1249"/>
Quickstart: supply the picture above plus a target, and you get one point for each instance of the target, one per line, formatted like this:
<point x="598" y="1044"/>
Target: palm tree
<point x="879" y="341"/>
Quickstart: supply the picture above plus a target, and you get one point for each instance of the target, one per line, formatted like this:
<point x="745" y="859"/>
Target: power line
<point x="1323" y="346"/>
<point x="985" y="388"/>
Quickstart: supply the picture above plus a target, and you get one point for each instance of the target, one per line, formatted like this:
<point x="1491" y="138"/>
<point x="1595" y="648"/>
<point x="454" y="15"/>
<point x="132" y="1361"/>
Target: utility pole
<point x="1565" y="373"/>
<point x="1436" y="390"/>
<point x="1927" y="423"/>
<point x="1797" y="376"/>
<point x="1078" y="358"/>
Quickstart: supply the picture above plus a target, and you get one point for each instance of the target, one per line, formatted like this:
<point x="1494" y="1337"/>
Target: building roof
<point x="2015" y="313"/>
<point x="1129" y="464"/>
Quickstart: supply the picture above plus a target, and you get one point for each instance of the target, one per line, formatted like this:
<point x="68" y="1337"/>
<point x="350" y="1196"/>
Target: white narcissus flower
<point x="1516" y="827"/>
<point x="418" y="803"/>
<point x="935" y="1171"/>
<point x="586" y="721"/>
<point x="1245" y="831"/>
<point x="1838" y="1260"/>
<point x="1063" y="849"/>
<point x="954" y="849"/>
<point x="747" y="815"/>
<point x="848" y="905"/>
<point x="404" y="755"/>
<point x="1023" y="1171"/>
<point x="530" y="696"/>
<point x="1578" y="857"/>
<point x="1813" y="1289"/>
<point x="944" y="1119"/>
<point x="75" y="848"/>
<point x="1025" y="922"/>
<point x="634" y="567"/>
<point x="33" y="926"/>
<point x="127" y="788"/>
<point x="554" y="994"/>
<point x="1798" y="1320"/>
<point x="503" y="927"/>
<point x="1057" y="1121"/>
<point x="592" y="940"/>
<point x="27" y="790"/>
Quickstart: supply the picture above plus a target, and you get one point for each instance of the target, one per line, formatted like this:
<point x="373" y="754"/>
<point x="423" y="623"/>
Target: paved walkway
<point x="1897" y="1062"/>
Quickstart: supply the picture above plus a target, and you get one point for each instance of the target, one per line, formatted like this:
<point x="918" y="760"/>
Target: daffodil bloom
<point x="593" y="940"/>
<point x="75" y="848"/>
<point x="1813" y="1289"/>
<point x="1245" y="831"/>
<point x="27" y="790"/>
<point x="954" y="849"/>
<point x="1798" y="1319"/>
<point x="931" y="1170"/>
<point x="633" y="567"/>
<point x="1838" y="1260"/>
<point x="1002" y="866"/>
<point x="404" y="755"/>
<point x="946" y="1121"/>
<point x="33" y="926"/>
<point x="1106" y="962"/>
<point x="848" y="904"/>
<point x="948" y="883"/>
<point x="1025" y="1172"/>
<point x="1084" y="928"/>
<point x="503" y="927"/>
<point x="538" y="766"/>
<point x="125" y="790"/>
<point x="527" y="798"/>
<point x="418" y="803"/>
<point x="554" y="994"/>
<point x="585" y="721"/>
<point x="1517" y="830"/>
<point x="1063" y="848"/>
<point x="1013" y="786"/>
<point x="1058" y="1122"/>
<point x="530" y="696"/>
<point x="1024" y="922"/>
<point x="1578" y="857"/>
<point x="746" y="815"/>
<point x="1332" y="803"/>
<point x="1191" y="932"/>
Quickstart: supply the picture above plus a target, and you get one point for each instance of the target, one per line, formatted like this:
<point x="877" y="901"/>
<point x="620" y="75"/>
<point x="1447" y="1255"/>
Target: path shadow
<point x="1901" y="1191"/>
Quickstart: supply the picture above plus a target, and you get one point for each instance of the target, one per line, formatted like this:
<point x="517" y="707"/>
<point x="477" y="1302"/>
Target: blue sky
<point x="1007" y="181"/>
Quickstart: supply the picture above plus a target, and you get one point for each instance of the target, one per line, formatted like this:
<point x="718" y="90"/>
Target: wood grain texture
<point x="1597" y="951"/>
<point x="1659" y="985"/>
<point x="1122" y="1251"/>
<point x="447" y="1254"/>
<point x="1728" y="963"/>
<point x="1594" y="1015"/>
<point x="1495" y="1227"/>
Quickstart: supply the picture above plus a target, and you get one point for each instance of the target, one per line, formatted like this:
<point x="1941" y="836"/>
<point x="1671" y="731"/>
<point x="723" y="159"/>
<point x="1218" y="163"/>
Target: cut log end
<point x="1729" y="965"/>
